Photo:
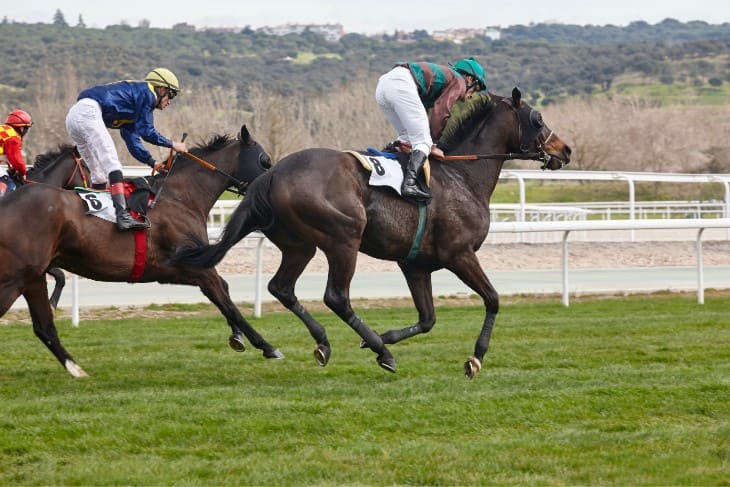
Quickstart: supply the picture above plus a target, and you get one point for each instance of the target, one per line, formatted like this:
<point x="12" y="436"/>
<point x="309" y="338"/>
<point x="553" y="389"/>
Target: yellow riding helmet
<point x="163" y="77"/>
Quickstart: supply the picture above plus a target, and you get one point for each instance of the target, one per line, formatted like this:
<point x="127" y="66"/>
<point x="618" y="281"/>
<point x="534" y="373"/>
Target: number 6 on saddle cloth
<point x="138" y="192"/>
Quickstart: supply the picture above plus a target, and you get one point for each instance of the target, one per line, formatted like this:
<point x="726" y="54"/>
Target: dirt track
<point x="242" y="260"/>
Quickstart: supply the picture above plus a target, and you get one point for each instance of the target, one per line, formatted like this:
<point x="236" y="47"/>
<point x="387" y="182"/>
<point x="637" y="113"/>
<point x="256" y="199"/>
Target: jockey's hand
<point x="159" y="168"/>
<point x="404" y="147"/>
<point x="436" y="152"/>
<point x="179" y="147"/>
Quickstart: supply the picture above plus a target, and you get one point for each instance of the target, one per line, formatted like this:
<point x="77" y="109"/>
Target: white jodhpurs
<point x="95" y="144"/>
<point x="397" y="95"/>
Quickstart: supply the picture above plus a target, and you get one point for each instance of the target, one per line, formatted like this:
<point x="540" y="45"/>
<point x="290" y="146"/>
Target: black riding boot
<point x="410" y="188"/>
<point x="124" y="219"/>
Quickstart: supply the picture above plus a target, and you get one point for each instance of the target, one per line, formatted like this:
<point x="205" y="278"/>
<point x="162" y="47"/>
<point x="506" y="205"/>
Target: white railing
<point x="545" y="218"/>
<point x="523" y="227"/>
<point x="629" y="177"/>
<point x="602" y="225"/>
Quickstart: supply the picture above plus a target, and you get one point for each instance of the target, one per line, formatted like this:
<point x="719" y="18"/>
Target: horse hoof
<point x="275" y="354"/>
<point x="322" y="355"/>
<point x="236" y="343"/>
<point x="388" y="363"/>
<point x="472" y="366"/>
<point x="74" y="369"/>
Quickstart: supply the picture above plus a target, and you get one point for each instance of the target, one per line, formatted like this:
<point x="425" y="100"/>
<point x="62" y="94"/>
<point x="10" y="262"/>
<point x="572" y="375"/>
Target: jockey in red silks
<point x="12" y="132"/>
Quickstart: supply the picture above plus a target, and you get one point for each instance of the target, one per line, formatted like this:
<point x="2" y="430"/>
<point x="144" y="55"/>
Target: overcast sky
<point x="366" y="16"/>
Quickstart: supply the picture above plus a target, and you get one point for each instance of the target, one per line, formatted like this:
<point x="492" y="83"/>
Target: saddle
<point x="388" y="168"/>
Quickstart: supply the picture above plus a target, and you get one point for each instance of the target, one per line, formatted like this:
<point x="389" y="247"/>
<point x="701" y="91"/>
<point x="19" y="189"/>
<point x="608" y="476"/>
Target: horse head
<point x="240" y="160"/>
<point x="253" y="160"/>
<point x="535" y="137"/>
<point x="496" y="127"/>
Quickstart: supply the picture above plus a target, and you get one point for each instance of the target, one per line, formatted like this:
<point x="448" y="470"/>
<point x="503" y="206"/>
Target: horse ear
<point x="245" y="135"/>
<point x="516" y="96"/>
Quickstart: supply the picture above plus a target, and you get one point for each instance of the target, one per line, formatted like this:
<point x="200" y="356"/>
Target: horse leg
<point x="337" y="297"/>
<point x="215" y="288"/>
<point x="281" y="286"/>
<point x="468" y="269"/>
<point x="36" y="295"/>
<point x="419" y="283"/>
<point x="60" y="278"/>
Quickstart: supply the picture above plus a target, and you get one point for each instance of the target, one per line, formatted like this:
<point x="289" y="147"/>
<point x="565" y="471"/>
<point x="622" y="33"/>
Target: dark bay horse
<point x="320" y="198"/>
<point x="62" y="168"/>
<point x="46" y="226"/>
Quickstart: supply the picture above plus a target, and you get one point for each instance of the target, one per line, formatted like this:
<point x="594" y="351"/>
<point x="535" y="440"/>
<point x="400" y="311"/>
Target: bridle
<point x="80" y="169"/>
<point x="533" y="120"/>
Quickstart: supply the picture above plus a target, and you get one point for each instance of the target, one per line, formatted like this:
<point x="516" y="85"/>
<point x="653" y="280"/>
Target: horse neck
<point x="58" y="174"/>
<point x="195" y="187"/>
<point x="482" y="175"/>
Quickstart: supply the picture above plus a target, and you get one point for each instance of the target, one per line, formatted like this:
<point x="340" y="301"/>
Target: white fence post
<point x="75" y="300"/>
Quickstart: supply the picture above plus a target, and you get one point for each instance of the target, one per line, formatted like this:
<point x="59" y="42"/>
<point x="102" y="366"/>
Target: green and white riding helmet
<point x="469" y="66"/>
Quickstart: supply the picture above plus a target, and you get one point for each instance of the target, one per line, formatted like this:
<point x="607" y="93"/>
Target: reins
<point x="475" y="157"/>
<point x="168" y="165"/>
<point x="240" y="185"/>
<point x="78" y="168"/>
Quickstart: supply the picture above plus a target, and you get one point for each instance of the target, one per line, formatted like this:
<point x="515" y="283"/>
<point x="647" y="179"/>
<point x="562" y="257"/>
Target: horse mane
<point x="215" y="143"/>
<point x="43" y="160"/>
<point x="464" y="122"/>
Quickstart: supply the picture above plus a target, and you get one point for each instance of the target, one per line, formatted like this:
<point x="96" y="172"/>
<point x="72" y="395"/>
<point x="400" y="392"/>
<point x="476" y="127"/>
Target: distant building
<point x="458" y="36"/>
<point x="234" y="30"/>
<point x="184" y="26"/>
<point x="331" y="32"/>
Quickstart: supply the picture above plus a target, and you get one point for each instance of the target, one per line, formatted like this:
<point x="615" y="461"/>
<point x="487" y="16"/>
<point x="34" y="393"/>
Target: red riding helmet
<point x="19" y="118"/>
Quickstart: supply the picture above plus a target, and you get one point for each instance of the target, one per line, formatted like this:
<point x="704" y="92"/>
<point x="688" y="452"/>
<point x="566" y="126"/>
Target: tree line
<point x="550" y="62"/>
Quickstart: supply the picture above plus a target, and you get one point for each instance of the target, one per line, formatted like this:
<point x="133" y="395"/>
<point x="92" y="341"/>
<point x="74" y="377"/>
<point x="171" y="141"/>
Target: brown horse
<point x="62" y="168"/>
<point x="46" y="226"/>
<point x="320" y="198"/>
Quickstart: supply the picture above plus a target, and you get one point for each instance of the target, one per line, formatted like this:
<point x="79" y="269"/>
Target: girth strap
<point x="416" y="245"/>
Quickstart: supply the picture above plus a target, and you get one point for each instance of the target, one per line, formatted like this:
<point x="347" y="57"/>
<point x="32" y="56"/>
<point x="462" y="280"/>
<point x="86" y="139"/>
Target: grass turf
<point x="619" y="391"/>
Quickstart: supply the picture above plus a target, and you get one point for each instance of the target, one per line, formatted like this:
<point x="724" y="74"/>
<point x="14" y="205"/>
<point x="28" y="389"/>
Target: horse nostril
<point x="567" y="150"/>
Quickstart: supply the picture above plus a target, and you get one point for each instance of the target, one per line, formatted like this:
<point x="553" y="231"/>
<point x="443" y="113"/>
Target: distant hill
<point x="667" y="31"/>
<point x="548" y="61"/>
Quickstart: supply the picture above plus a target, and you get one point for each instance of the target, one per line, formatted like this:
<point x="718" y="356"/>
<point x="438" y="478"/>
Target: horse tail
<point x="254" y="213"/>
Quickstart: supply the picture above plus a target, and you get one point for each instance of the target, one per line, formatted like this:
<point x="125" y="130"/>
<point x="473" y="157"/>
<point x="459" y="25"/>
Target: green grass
<point x="507" y="191"/>
<point x="676" y="93"/>
<point x="308" y="57"/>
<point x="619" y="391"/>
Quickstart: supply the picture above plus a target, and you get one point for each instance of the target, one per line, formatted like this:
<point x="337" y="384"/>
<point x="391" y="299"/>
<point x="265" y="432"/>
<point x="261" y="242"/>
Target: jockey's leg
<point x="124" y="219"/>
